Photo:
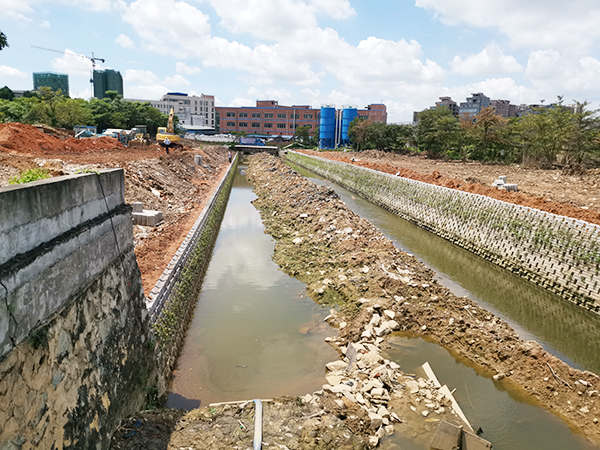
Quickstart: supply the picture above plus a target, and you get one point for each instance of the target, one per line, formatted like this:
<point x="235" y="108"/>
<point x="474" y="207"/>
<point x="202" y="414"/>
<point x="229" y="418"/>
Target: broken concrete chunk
<point x="447" y="437"/>
<point x="336" y="366"/>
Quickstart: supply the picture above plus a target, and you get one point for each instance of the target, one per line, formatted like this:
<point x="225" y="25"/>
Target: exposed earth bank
<point x="376" y="290"/>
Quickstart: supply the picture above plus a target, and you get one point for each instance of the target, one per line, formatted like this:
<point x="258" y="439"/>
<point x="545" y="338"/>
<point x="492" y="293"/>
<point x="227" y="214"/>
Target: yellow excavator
<point x="169" y="131"/>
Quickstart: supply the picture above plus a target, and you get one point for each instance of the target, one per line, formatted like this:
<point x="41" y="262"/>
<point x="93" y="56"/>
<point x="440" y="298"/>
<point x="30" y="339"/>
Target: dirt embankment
<point x="172" y="183"/>
<point x="554" y="191"/>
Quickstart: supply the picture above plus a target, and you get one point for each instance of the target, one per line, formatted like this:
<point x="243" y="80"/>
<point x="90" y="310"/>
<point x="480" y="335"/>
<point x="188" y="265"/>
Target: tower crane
<point x="93" y="59"/>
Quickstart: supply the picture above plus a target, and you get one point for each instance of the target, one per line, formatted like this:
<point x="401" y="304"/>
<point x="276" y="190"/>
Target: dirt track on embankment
<point x="554" y="191"/>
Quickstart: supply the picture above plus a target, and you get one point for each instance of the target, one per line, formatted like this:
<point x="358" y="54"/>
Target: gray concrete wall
<point x="56" y="236"/>
<point x="75" y="342"/>
<point x="559" y="253"/>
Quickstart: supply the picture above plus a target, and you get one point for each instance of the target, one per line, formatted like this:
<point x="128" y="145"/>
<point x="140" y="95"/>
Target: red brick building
<point x="271" y="119"/>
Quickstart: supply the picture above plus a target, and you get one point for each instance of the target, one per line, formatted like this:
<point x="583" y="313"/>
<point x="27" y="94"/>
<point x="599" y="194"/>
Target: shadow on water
<point x="562" y="328"/>
<point x="255" y="333"/>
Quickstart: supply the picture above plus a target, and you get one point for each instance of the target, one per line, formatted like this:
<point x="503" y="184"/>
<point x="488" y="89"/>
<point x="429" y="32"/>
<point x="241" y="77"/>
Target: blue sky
<point x="404" y="53"/>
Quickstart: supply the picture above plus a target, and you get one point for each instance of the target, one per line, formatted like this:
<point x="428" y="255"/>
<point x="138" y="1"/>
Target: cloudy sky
<point x="404" y="53"/>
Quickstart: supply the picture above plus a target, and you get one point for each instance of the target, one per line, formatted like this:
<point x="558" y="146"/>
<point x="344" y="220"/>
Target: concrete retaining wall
<point x="172" y="301"/>
<point x="74" y="341"/>
<point x="558" y="253"/>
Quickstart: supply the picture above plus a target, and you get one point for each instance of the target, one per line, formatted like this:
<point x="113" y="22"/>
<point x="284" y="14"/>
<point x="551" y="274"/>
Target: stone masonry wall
<point x="559" y="253"/>
<point x="75" y="353"/>
<point x="172" y="301"/>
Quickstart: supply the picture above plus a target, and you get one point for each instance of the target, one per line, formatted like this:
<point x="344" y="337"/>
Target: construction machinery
<point x="168" y="131"/>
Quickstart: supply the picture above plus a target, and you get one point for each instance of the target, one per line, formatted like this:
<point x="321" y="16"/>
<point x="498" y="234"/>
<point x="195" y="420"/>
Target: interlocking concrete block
<point x="137" y="207"/>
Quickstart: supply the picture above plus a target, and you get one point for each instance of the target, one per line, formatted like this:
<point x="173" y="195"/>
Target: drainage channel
<point x="508" y="418"/>
<point x="255" y="333"/>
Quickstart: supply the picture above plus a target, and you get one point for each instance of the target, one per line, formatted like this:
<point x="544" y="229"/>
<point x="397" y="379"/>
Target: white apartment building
<point x="195" y="113"/>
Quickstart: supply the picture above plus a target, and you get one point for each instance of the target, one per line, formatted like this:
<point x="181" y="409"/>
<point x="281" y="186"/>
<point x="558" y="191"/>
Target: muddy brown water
<point x="508" y="418"/>
<point x="255" y="333"/>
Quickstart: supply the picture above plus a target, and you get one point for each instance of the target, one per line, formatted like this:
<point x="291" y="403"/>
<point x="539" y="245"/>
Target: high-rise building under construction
<point x="54" y="81"/>
<point x="107" y="80"/>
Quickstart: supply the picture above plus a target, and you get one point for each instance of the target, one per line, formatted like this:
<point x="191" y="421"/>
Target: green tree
<point x="358" y="132"/>
<point x="49" y="104"/>
<point x="24" y="110"/>
<point x="584" y="138"/>
<point x="483" y="137"/>
<point x="3" y="40"/>
<point x="544" y="133"/>
<point x="302" y="135"/>
<point x="437" y="132"/>
<point x="6" y="93"/>
<point x="73" y="111"/>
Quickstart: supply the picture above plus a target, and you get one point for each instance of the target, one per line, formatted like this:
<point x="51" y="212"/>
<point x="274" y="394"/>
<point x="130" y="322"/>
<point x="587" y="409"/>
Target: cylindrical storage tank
<point x="327" y="127"/>
<point x="348" y="115"/>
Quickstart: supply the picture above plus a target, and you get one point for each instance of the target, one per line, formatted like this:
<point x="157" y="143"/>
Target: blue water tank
<point x="348" y="115"/>
<point x="327" y="128"/>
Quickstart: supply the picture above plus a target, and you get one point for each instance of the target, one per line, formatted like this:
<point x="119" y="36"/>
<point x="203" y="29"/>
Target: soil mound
<point x="27" y="140"/>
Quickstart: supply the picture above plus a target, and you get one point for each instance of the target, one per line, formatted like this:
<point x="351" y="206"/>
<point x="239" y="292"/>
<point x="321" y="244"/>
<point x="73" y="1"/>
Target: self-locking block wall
<point x="560" y="253"/>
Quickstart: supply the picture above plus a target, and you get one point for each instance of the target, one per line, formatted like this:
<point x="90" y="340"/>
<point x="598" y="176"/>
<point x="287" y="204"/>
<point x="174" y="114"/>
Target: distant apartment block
<point x="473" y="105"/>
<point x="447" y="102"/>
<point x="269" y="118"/>
<point x="54" y="81"/>
<point x="107" y="80"/>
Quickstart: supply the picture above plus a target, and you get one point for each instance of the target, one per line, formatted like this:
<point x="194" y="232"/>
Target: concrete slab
<point x="471" y="441"/>
<point x="447" y="437"/>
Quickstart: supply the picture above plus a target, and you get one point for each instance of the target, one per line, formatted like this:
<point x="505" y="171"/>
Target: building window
<point x="307" y="116"/>
<point x="281" y="116"/>
<point x="243" y="124"/>
<point x="308" y="125"/>
<point x="268" y="115"/>
<point x="293" y="125"/>
<point x="230" y="114"/>
<point x="281" y="125"/>
<point x="255" y="124"/>
<point x="231" y="124"/>
<point x="243" y="114"/>
<point x="256" y="115"/>
<point x="294" y="116"/>
<point x="268" y="125"/>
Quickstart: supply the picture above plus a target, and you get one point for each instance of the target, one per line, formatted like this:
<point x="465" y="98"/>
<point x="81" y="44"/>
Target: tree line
<point x="544" y="137"/>
<point x="58" y="110"/>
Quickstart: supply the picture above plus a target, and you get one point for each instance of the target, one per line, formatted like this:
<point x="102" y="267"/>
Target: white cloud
<point x="45" y="24"/>
<point x="147" y="91"/>
<point x="16" y="9"/>
<point x="532" y="24"/>
<point x="177" y="80"/>
<point x="72" y="63"/>
<point x="85" y="94"/>
<point x="169" y="27"/>
<point x="181" y="67"/>
<point x="490" y="61"/>
<point x="337" y="9"/>
<point x="140" y="76"/>
<point x="552" y="74"/>
<point x="124" y="41"/>
<point x="11" y="72"/>
<point x="241" y="101"/>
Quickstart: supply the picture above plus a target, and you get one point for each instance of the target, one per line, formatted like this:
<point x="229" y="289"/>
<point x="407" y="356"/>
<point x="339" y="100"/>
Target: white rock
<point x="347" y="230"/>
<point x="376" y="420"/>
<point x="365" y="269"/>
<point x="336" y="366"/>
<point x="340" y="403"/>
<point x="413" y="386"/>
<point x="371" y="384"/>
<point x="373" y="441"/>
<point x="425" y="413"/>
<point x="424" y="327"/>
<point x="393" y="365"/>
<point x="375" y="320"/>
<point x="392" y="325"/>
<point x="343" y="325"/>
<point x="383" y="412"/>
<point x="297" y="241"/>
<point x="303" y="216"/>
<point x="378" y="392"/>
<point x="382" y="331"/>
<point x="359" y="398"/>
<point x="333" y="379"/>
<point x="307" y="398"/>
<point x="380" y="433"/>
<point x="389" y="430"/>
<point x="366" y="334"/>
<point x="371" y="358"/>
<point x="389" y="314"/>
